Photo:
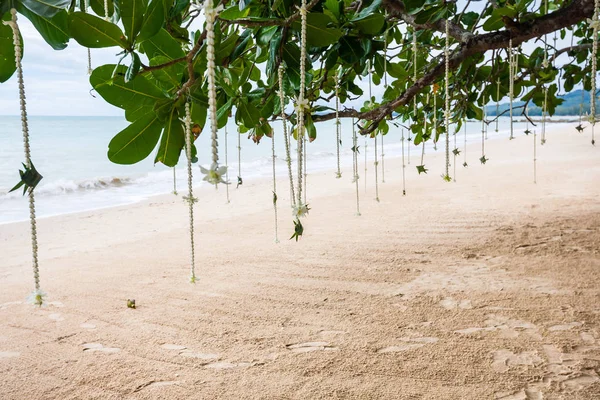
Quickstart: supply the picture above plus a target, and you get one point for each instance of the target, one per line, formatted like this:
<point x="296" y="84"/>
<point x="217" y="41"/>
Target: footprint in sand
<point x="506" y="327"/>
<point x="9" y="354"/>
<point x="310" y="346"/>
<point x="562" y="371"/>
<point x="565" y="327"/>
<point x="93" y="347"/>
<point x="409" y="344"/>
<point x="450" y="304"/>
<point x="56" y="317"/>
<point x="504" y="359"/>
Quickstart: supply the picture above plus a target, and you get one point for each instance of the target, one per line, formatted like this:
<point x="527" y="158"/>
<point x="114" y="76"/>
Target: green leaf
<point x="46" y="8"/>
<point x="371" y="24"/>
<point x="135" y="142"/>
<point x="153" y="20"/>
<point x="7" y="51"/>
<point x="162" y="44"/>
<point x="132" y="16"/>
<point x="121" y="94"/>
<point x="233" y="13"/>
<point x="172" y="141"/>
<point x="134" y="67"/>
<point x="91" y="31"/>
<point x="247" y="114"/>
<point x="169" y="76"/>
<point x="98" y="7"/>
<point x="317" y="32"/>
<point x="54" y="29"/>
<point x="494" y="22"/>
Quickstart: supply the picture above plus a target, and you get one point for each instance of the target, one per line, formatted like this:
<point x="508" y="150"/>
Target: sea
<point x="71" y="154"/>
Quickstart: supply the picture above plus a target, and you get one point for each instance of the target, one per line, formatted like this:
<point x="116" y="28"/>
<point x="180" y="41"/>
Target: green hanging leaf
<point x="172" y="141"/>
<point x="135" y="142"/>
<point x="134" y="67"/>
<point x="370" y="24"/>
<point x="46" y="8"/>
<point x="247" y="114"/>
<point x="98" y="7"/>
<point x="317" y="32"/>
<point x="153" y="20"/>
<point x="7" y="51"/>
<point x="169" y="77"/>
<point x="132" y="16"/>
<point x="233" y="13"/>
<point x="54" y="30"/>
<point x="93" y="32"/>
<point x="162" y="44"/>
<point x="123" y="94"/>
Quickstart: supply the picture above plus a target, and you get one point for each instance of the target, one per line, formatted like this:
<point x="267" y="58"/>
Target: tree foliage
<point x="162" y="62"/>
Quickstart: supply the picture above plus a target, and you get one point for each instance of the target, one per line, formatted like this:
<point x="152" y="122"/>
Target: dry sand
<point x="487" y="288"/>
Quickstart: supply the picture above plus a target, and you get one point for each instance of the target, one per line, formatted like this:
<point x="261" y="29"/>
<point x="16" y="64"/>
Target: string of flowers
<point x="375" y="163"/>
<point x="226" y="166"/>
<point x="355" y="165"/>
<point x="288" y="158"/>
<point x="301" y="209"/>
<point x="483" y="159"/>
<point x="37" y="297"/>
<point x="215" y="174"/>
<point x="190" y="197"/>
<point x="403" y="166"/>
<point x="544" y="110"/>
<point x="595" y="24"/>
<point x="511" y="84"/>
<point x="273" y="158"/>
<point x="465" y="146"/>
<point x="421" y="168"/>
<point x="415" y="50"/>
<point x="337" y="126"/>
<point x="447" y="100"/>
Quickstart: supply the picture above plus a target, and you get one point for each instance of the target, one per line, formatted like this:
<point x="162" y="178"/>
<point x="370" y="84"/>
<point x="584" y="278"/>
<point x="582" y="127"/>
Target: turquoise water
<point x="70" y="152"/>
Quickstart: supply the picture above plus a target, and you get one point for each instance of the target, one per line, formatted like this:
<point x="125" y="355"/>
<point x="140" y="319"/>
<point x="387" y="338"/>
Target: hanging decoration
<point x="436" y="87"/>
<point x="288" y="158"/>
<point x="385" y="86"/>
<point x="338" y="124"/>
<point x="497" y="102"/>
<point x="190" y="197"/>
<point x="376" y="162"/>
<point x="511" y="83"/>
<point x="534" y="157"/>
<point x="465" y="145"/>
<point x="544" y="110"/>
<point x="226" y="168"/>
<point x="415" y="50"/>
<point x="403" y="166"/>
<point x="447" y="100"/>
<point x="273" y="158"/>
<point x="366" y="151"/>
<point x="301" y="209"/>
<point x="421" y="168"/>
<point x="215" y="174"/>
<point x="30" y="177"/>
<point x="595" y="24"/>
<point x="483" y="159"/>
<point x="174" y="181"/>
<point x="355" y="165"/>
<point x="580" y="127"/>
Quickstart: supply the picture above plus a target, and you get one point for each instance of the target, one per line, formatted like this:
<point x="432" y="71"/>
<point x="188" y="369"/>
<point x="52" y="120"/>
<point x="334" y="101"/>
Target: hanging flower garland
<point x="215" y="174"/>
<point x="436" y="88"/>
<point x="465" y="145"/>
<point x="376" y="162"/>
<point x="447" y="100"/>
<point x="288" y="158"/>
<point x="190" y="197"/>
<point x="483" y="159"/>
<point x="338" y="124"/>
<point x="301" y="208"/>
<point x="544" y="111"/>
<point x="355" y="165"/>
<point x="580" y="127"/>
<point x="595" y="24"/>
<point x="511" y="84"/>
<point x="29" y="177"/>
<point x="421" y="168"/>
<point x="403" y="166"/>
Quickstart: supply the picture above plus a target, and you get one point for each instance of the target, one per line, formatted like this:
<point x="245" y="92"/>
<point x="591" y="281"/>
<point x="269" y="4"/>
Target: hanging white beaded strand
<point x="288" y="157"/>
<point x="338" y="174"/>
<point x="37" y="297"/>
<point x="447" y="99"/>
<point x="355" y="164"/>
<point x="403" y="166"/>
<point x="595" y="25"/>
<point x="190" y="197"/>
<point x="511" y="85"/>
<point x="376" y="162"/>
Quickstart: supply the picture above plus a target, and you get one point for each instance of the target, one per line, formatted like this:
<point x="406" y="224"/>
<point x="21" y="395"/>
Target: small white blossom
<point x="214" y="175"/>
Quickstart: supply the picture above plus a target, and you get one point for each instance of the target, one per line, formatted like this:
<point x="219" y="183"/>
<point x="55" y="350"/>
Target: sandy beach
<point x="483" y="288"/>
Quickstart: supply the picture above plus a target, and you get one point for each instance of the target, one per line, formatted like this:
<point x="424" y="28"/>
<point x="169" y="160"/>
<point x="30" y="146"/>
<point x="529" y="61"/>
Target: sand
<point x="486" y="288"/>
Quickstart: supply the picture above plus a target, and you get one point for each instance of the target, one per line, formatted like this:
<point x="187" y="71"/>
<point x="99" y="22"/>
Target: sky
<point x="57" y="83"/>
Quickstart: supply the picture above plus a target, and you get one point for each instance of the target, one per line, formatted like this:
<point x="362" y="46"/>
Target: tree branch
<point x="569" y="15"/>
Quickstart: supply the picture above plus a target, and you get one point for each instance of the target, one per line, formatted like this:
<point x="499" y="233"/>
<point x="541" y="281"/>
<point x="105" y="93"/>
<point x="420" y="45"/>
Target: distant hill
<point x="570" y="106"/>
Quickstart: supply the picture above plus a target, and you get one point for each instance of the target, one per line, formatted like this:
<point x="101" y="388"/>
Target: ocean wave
<point x="66" y="186"/>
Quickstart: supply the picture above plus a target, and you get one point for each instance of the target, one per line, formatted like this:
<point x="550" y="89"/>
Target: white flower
<point x="301" y="105"/>
<point x="591" y="119"/>
<point x="214" y="175"/>
<point x="36" y="298"/>
<point x="300" y="210"/>
<point x="594" y="24"/>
